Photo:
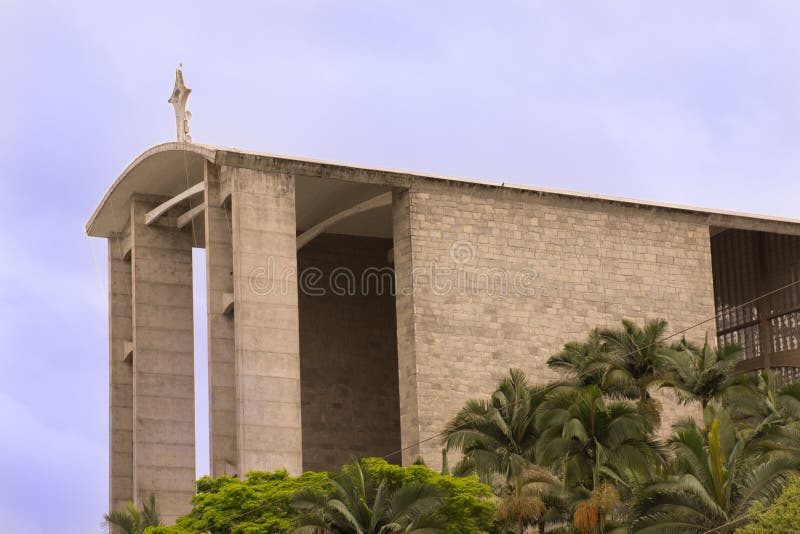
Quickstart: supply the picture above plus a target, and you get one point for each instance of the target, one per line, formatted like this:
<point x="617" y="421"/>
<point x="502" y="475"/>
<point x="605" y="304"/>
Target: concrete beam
<point x="153" y="215"/>
<point x="384" y="199"/>
<point x="190" y="215"/>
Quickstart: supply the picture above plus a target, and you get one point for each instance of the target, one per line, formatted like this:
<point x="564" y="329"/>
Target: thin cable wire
<point x="745" y="516"/>
<point x="96" y="266"/>
<point x="671" y="336"/>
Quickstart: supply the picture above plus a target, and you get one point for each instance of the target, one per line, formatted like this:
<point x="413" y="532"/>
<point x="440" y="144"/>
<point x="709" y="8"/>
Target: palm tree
<point x="702" y="375"/>
<point x="498" y="436"/>
<point x="594" y="440"/>
<point x="130" y="520"/>
<point x="632" y="358"/>
<point x="591" y="514"/>
<point x="582" y="362"/>
<point x="356" y="505"/>
<point x="716" y="482"/>
<point x="548" y="495"/>
<point x="521" y="505"/>
<point x="773" y="416"/>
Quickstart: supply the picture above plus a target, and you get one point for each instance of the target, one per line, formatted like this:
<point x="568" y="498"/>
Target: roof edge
<point x="532" y="189"/>
<point x="215" y="153"/>
<point x="207" y="152"/>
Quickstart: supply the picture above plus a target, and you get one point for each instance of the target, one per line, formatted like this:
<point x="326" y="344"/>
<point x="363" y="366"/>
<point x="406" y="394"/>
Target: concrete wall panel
<point x="221" y="355"/>
<point x="120" y="377"/>
<point x="163" y="363"/>
<point x="268" y="417"/>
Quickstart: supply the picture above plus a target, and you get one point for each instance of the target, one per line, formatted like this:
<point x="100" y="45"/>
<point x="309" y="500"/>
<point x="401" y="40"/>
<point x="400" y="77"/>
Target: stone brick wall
<point x="529" y="272"/>
<point x="348" y="353"/>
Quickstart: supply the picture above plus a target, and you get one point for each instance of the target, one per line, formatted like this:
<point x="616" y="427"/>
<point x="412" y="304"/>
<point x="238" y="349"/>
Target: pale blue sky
<point x="681" y="101"/>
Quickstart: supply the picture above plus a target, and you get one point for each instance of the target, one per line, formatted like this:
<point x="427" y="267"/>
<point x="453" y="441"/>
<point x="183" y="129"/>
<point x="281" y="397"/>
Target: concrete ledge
<point x="127" y="351"/>
<point x="227" y="303"/>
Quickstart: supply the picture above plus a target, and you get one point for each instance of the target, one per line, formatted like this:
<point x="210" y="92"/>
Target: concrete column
<point x="219" y="284"/>
<point x="163" y="361"/>
<point x="267" y="363"/>
<point x="404" y="301"/>
<point x="120" y="333"/>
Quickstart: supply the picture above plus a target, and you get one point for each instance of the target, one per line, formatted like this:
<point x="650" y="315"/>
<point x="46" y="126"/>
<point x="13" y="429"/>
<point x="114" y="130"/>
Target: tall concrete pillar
<point x="120" y="333"/>
<point x="406" y="351"/>
<point x="219" y="284"/>
<point x="267" y="352"/>
<point x="163" y="361"/>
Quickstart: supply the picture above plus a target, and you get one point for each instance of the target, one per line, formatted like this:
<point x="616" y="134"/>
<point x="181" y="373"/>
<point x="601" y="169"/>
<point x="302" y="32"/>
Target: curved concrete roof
<point x="169" y="168"/>
<point x="163" y="170"/>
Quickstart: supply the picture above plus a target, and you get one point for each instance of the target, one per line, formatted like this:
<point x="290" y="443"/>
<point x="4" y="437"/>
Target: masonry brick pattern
<point x="576" y="264"/>
<point x="348" y="352"/>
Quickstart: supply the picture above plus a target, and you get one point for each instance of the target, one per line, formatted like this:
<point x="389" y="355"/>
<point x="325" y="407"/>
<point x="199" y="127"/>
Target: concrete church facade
<point x="354" y="310"/>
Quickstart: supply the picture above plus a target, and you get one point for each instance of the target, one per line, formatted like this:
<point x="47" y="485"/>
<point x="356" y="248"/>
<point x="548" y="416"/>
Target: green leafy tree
<point x="467" y="504"/>
<point x="259" y="504"/>
<point x="356" y="504"/>
<point x="716" y="482"/>
<point x="782" y="517"/>
<point x="705" y="374"/>
<point x="131" y="520"/>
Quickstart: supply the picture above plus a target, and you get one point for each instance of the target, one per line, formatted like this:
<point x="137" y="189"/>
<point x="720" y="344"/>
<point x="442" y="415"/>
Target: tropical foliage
<point x="582" y="454"/>
<point x="467" y="504"/>
<point x="266" y="503"/>
<point x="357" y="504"/>
<point x="498" y="436"/>
<point x="705" y="374"/>
<point x="782" y="517"/>
<point x="258" y="504"/>
<point x="714" y="480"/>
<point x="131" y="520"/>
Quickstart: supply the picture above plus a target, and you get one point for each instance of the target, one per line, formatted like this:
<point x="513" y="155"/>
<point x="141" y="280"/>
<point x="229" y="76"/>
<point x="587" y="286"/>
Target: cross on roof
<point x="180" y="94"/>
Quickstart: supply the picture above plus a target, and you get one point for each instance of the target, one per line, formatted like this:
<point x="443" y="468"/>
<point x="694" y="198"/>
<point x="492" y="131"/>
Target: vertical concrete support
<point x="404" y="301"/>
<point x="120" y="333"/>
<point x="266" y="320"/>
<point x="163" y="361"/>
<point x="219" y="273"/>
